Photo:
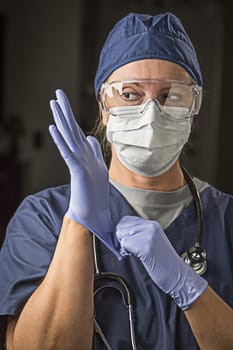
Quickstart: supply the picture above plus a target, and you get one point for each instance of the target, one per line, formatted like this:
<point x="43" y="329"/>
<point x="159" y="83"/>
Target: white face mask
<point x="146" y="140"/>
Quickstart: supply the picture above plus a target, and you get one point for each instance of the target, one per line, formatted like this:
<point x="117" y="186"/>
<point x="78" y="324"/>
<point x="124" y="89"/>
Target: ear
<point x="104" y="114"/>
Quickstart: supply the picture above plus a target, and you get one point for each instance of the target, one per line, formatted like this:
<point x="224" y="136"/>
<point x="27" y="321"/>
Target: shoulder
<point x="218" y="210"/>
<point x="215" y="198"/>
<point x="41" y="210"/>
<point x="55" y="198"/>
<point x="52" y="195"/>
<point x="217" y="193"/>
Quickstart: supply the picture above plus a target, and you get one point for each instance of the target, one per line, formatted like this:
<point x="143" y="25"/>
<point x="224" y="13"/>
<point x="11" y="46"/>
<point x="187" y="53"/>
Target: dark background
<point x="45" y="45"/>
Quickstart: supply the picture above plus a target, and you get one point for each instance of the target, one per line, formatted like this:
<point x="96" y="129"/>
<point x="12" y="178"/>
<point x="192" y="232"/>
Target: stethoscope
<point x="195" y="257"/>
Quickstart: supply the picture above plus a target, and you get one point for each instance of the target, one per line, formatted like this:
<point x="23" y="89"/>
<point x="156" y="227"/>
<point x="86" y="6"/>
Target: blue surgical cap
<point x="140" y="36"/>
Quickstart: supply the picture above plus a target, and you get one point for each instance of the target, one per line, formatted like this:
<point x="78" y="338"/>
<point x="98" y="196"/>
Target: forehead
<point x="150" y="69"/>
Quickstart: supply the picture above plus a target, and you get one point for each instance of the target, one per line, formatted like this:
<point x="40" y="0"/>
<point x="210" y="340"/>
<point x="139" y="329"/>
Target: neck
<point x="171" y="180"/>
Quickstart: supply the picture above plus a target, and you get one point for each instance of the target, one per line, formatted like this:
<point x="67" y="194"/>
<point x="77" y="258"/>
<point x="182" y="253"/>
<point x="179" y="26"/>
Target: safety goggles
<point x="167" y="93"/>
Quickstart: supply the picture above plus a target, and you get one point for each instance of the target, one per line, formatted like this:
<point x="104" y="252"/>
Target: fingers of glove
<point x="131" y="225"/>
<point x="129" y="232"/>
<point x="141" y="237"/>
<point x="96" y="148"/>
<point x="65" y="106"/>
<point x="132" y="245"/>
<point x="62" y="146"/>
<point x="62" y="125"/>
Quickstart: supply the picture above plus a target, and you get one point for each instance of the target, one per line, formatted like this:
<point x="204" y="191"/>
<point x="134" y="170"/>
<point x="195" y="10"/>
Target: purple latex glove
<point x="146" y="240"/>
<point x="89" y="181"/>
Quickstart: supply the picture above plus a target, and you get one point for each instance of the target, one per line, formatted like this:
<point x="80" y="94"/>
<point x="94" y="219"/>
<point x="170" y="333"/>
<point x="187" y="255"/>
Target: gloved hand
<point x="89" y="181"/>
<point x="146" y="240"/>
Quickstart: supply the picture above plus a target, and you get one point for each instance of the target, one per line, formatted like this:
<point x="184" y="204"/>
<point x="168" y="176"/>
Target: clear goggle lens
<point x="167" y="93"/>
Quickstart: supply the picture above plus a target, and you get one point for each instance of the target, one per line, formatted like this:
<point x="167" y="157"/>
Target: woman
<point x="148" y="86"/>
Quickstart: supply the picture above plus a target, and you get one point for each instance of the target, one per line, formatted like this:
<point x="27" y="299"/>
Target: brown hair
<point x="99" y="131"/>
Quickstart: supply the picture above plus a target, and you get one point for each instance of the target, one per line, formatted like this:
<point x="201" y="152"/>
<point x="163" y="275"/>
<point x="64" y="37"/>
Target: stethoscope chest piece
<point x="196" y="258"/>
<point x="196" y="255"/>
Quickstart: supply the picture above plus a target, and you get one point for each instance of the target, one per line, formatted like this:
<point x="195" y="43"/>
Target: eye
<point x="175" y="97"/>
<point x="170" y="98"/>
<point x="130" y="93"/>
<point x="130" y="96"/>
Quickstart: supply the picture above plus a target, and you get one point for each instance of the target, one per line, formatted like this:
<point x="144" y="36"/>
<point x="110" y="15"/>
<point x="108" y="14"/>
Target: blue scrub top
<point x="31" y="240"/>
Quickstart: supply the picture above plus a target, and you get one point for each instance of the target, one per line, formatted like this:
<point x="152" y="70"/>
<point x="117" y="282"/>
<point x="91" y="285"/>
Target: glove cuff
<point x="193" y="286"/>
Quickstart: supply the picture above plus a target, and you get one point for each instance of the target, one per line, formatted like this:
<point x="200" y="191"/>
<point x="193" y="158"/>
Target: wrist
<point x="191" y="288"/>
<point x="71" y="224"/>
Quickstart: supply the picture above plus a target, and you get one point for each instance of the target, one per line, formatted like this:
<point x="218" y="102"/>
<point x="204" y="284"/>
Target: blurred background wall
<point x="45" y="45"/>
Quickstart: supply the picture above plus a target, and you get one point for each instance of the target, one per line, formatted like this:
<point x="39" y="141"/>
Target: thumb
<point x="96" y="148"/>
<point x="128" y="247"/>
<point x="63" y="148"/>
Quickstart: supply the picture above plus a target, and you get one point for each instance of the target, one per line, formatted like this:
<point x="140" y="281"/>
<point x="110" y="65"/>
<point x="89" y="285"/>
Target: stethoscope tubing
<point x="125" y="294"/>
<point x="197" y="201"/>
<point x="198" y="266"/>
